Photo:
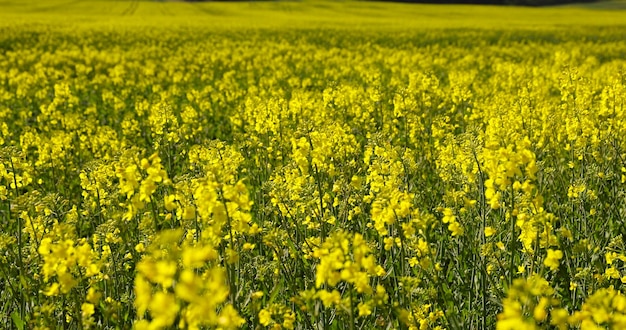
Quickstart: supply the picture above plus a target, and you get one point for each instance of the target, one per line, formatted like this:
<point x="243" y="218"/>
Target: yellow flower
<point x="140" y="247"/>
<point x="93" y="296"/>
<point x="195" y="257"/>
<point x="229" y="318"/>
<point x="539" y="313"/>
<point x="448" y="216"/>
<point x="189" y="213"/>
<point x="559" y="318"/>
<point x="87" y="310"/>
<point x="288" y="320"/>
<point x="170" y="202"/>
<point x="329" y="298"/>
<point x="611" y="272"/>
<point x="163" y="308"/>
<point x="364" y="309"/>
<point x="52" y="290"/>
<point x="257" y="294"/>
<point x="265" y="317"/>
<point x="456" y="229"/>
<point x="143" y="295"/>
<point x="389" y="242"/>
<point x="526" y="295"/>
<point x="160" y="272"/>
<point x="552" y="260"/>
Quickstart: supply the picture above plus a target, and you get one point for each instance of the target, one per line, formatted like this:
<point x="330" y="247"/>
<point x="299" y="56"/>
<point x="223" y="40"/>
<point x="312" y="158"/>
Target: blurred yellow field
<point x="303" y="14"/>
<point x="311" y="165"/>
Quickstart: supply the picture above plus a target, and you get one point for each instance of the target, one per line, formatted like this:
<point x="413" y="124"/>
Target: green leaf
<point x="275" y="292"/>
<point x="17" y="319"/>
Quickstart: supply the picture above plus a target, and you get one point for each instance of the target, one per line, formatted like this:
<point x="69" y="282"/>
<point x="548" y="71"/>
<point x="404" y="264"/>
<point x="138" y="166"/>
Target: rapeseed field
<point x="311" y="165"/>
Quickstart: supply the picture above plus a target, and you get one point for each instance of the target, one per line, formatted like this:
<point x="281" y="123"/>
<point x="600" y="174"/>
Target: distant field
<point x="348" y="14"/>
<point x="311" y="165"/>
<point x="602" y="5"/>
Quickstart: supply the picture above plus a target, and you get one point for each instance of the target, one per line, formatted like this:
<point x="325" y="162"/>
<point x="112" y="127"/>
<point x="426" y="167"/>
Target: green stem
<point x="351" y="308"/>
<point x="483" y="241"/>
<point x="513" y="244"/>
<point x="20" y="258"/>
<point x="231" y="268"/>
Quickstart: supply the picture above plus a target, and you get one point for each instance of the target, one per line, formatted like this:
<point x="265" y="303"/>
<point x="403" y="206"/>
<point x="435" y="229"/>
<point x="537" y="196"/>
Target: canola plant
<point x="313" y="165"/>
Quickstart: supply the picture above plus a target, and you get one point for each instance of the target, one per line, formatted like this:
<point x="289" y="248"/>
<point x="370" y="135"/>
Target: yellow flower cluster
<point x="346" y="258"/>
<point x="531" y="304"/>
<point x="605" y="308"/>
<point x="182" y="283"/>
<point x="272" y="315"/>
<point x="200" y="167"/>
<point x="139" y="187"/>
<point x="64" y="260"/>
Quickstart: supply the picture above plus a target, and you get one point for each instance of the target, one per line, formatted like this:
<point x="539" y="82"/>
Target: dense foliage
<point x="162" y="176"/>
<point x="489" y="2"/>
<point x="500" y="2"/>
